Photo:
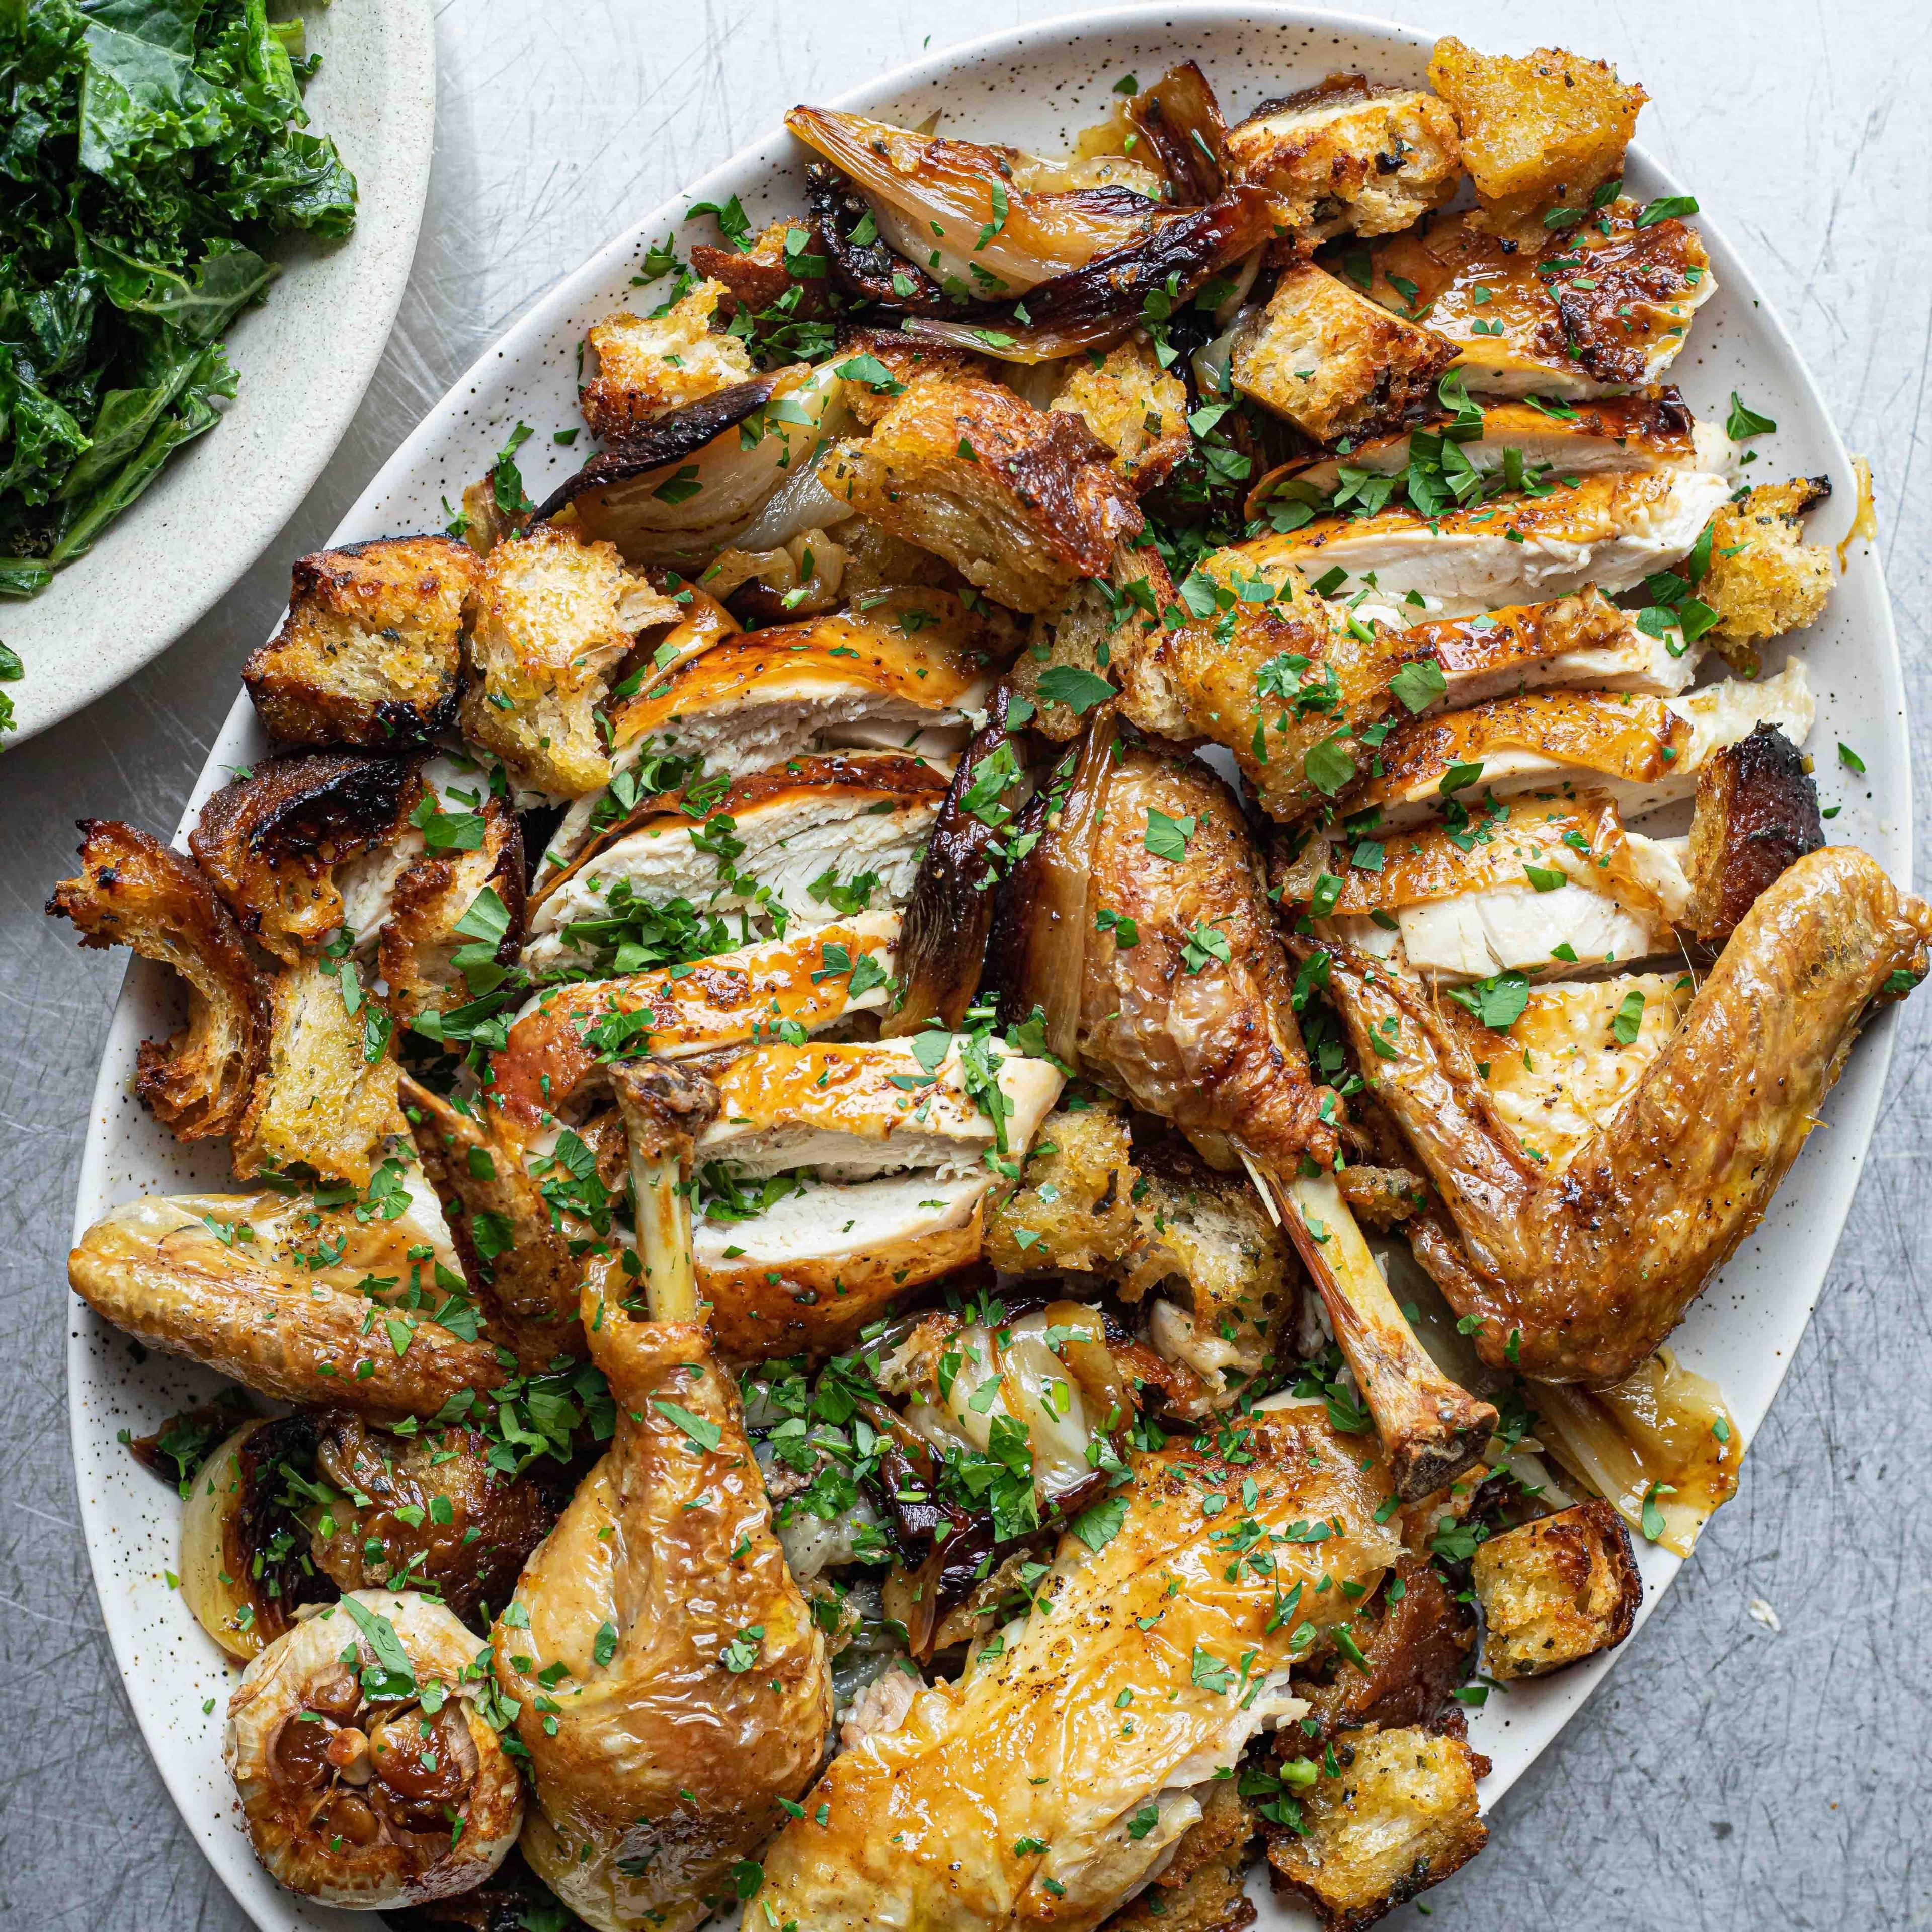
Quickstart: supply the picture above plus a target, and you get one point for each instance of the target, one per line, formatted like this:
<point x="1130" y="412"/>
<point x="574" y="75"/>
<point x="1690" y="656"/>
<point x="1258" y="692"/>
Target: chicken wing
<point x="306" y="1304"/>
<point x="1578" y="1274"/>
<point x="1052" y="1780"/>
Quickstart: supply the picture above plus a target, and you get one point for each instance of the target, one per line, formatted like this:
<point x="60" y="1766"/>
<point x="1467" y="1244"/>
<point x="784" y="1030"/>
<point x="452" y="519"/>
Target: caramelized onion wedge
<point x="1039" y="939"/>
<point x="1092" y="306"/>
<point x="942" y="938"/>
<point x="1431" y="1429"/>
<point x="1181" y="121"/>
<point x="957" y="201"/>
<point x="364" y="1783"/>
<point x="695" y="479"/>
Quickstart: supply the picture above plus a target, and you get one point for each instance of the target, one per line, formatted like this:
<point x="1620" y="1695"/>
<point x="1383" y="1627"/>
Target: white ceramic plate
<point x="1034" y="87"/>
<point x="304" y="357"/>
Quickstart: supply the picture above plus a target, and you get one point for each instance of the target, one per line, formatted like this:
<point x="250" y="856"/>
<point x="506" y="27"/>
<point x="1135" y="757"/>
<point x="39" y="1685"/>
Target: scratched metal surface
<point x="1726" y="1776"/>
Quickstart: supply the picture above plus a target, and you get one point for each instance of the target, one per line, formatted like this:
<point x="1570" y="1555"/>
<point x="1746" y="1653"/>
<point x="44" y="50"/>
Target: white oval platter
<point x="304" y="357"/>
<point x="1034" y="87"/>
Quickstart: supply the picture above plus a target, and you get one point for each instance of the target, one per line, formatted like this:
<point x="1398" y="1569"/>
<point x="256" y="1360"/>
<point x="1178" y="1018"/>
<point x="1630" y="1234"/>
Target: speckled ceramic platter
<point x="1035" y="87"/>
<point x="304" y="358"/>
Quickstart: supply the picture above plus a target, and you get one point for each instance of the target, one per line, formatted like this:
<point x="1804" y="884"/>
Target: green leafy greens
<point x="149" y="148"/>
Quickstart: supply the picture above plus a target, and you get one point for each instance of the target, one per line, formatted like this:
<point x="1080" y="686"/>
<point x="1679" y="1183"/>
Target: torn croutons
<point x="1070" y="1208"/>
<point x="1538" y="133"/>
<point x="1400" y="1816"/>
<point x="1223" y="1271"/>
<point x="1556" y="1591"/>
<point x="132" y="891"/>
<point x="1334" y="362"/>
<point x="1201" y="1889"/>
<point x="660" y="363"/>
<point x="327" y="1095"/>
<point x="273" y="842"/>
<point x="370" y="652"/>
<point x="1136" y="407"/>
<point x="876" y="366"/>
<point x="1756" y="813"/>
<point x="1346" y="156"/>
<point x="438" y="909"/>
<point x="788" y="256"/>
<point x="553" y="616"/>
<point x="1764" y="578"/>
<point x="1024" y="502"/>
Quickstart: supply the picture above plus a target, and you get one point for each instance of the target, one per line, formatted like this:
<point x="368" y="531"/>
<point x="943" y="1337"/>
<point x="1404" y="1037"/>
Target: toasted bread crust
<point x="1369" y="366"/>
<point x="370" y="652"/>
<point x="1756" y="813"/>
<point x="431" y="896"/>
<point x="1072" y="1200"/>
<point x="1024" y="502"/>
<point x="132" y="891"/>
<point x="271" y="841"/>
<point x="1556" y="1591"/>
<point x="1764" y="579"/>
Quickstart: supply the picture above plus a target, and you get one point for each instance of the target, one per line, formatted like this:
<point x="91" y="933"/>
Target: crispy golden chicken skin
<point x="131" y="890"/>
<point x="270" y="1289"/>
<point x="693" y="1693"/>
<point x="1591" y="1268"/>
<point x="1051" y="1780"/>
<point x="1204" y="1038"/>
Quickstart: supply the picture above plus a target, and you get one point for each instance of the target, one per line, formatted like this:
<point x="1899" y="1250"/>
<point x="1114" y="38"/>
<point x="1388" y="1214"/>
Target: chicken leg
<point x="1577" y="1275"/>
<point x="1184" y="1003"/>
<point x="671" y="1684"/>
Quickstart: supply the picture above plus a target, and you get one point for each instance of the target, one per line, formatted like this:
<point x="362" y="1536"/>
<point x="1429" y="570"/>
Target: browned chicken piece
<point x="1347" y="156"/>
<point x="1538" y="133"/>
<point x="288" y="1297"/>
<point x="694" y="1694"/>
<point x="1280" y="679"/>
<point x="436" y="894"/>
<point x="321" y="1098"/>
<point x="1093" y="1733"/>
<point x="1764" y="578"/>
<point x="1140" y="926"/>
<point x="1577" y="1275"/>
<point x="519" y="1260"/>
<point x="132" y="891"/>
<point x="1333" y="362"/>
<point x="1024" y="502"/>
<point x="1520" y="333"/>
<point x="1756" y="814"/>
<point x="1400" y="1817"/>
<point x="1556" y="1591"/>
<point x="371" y="652"/>
<point x="273" y="842"/>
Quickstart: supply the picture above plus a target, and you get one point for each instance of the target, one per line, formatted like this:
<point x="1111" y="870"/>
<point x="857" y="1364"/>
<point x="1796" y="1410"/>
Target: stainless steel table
<point x="1729" y="1775"/>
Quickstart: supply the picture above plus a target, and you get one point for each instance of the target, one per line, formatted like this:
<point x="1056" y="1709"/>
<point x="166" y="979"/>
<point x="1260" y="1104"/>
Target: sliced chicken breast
<point x="803" y="1276"/>
<point x="823" y="836"/>
<point x="1549" y="889"/>
<point x="916" y="665"/>
<point x="786" y="989"/>
<point x="853" y="1112"/>
<point x="1644" y="752"/>
<point x="1611" y="531"/>
<point x="1600" y="310"/>
<point x="1641" y="434"/>
<point x="1584" y="641"/>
